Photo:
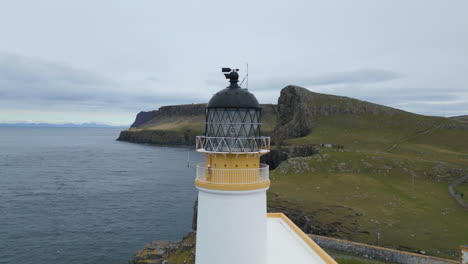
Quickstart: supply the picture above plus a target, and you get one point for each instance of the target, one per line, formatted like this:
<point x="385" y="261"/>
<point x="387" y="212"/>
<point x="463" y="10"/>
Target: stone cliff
<point x="143" y="117"/>
<point x="299" y="108"/>
<point x="294" y="116"/>
<point x="180" y="124"/>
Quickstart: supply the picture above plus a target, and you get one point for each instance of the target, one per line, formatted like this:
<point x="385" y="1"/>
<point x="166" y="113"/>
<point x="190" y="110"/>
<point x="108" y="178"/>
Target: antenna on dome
<point x="246" y="78"/>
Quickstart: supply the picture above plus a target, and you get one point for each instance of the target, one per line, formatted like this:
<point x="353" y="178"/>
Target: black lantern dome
<point x="233" y="119"/>
<point x="234" y="97"/>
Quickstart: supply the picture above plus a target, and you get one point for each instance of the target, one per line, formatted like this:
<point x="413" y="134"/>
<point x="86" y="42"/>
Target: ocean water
<point x="75" y="195"/>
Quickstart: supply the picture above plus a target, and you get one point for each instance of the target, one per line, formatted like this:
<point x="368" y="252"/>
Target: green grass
<point x="463" y="189"/>
<point x="184" y="255"/>
<point x="392" y="176"/>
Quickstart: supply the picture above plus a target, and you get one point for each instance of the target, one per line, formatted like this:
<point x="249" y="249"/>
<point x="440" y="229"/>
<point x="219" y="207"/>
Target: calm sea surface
<point x="75" y="195"/>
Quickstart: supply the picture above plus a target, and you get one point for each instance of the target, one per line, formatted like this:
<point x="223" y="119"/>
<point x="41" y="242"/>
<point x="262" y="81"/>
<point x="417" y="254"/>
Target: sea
<point x="76" y="195"/>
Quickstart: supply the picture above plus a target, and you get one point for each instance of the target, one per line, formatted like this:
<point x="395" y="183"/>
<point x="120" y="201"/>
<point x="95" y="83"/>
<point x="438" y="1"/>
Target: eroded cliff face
<point x="176" y="114"/>
<point x="295" y="116"/>
<point x="143" y="117"/>
<point x="299" y="108"/>
<point x="160" y="137"/>
<point x="180" y="124"/>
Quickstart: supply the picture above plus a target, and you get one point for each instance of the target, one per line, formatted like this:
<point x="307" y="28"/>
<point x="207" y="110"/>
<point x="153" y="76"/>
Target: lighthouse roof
<point x="233" y="97"/>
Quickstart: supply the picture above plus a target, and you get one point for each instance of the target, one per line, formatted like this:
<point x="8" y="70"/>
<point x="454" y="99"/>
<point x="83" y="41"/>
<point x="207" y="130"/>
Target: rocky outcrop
<point x="172" y="125"/>
<point x="180" y="124"/>
<point x="170" y="252"/>
<point x="296" y="114"/>
<point x="299" y="108"/>
<point x="143" y="117"/>
<point x="167" y="252"/>
<point x="161" y="137"/>
<point x="174" y="113"/>
<point x="276" y="156"/>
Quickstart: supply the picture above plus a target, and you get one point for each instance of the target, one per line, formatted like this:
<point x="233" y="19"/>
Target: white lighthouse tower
<point x="232" y="183"/>
<point x="233" y="225"/>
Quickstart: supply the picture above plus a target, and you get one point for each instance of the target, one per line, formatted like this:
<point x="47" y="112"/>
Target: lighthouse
<point x="233" y="226"/>
<point x="232" y="183"/>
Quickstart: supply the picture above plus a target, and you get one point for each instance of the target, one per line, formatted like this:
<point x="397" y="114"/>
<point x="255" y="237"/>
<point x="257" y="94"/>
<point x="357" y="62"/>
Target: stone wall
<point x="377" y="253"/>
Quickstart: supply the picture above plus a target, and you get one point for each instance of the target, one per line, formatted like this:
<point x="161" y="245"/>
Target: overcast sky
<point x="104" y="61"/>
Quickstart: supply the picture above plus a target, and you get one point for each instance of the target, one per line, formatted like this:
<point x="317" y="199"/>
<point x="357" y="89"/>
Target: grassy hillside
<point x="391" y="178"/>
<point x="463" y="118"/>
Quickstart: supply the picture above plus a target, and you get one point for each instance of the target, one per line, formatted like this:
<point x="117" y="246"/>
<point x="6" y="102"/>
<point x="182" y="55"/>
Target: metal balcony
<point x="232" y="176"/>
<point x="233" y="144"/>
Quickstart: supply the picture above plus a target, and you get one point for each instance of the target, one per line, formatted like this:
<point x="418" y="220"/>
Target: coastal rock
<point x="276" y="156"/>
<point x="293" y="114"/>
<point x="180" y="124"/>
<point x="173" y="252"/>
<point x="149" y="136"/>
<point x="299" y="110"/>
<point x="143" y="117"/>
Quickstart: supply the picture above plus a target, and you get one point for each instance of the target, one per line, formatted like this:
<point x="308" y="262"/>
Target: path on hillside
<point x="451" y="187"/>
<point x="454" y="194"/>
<point x="427" y="131"/>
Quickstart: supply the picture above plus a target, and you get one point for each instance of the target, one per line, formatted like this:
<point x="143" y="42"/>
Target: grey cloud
<point x="218" y="84"/>
<point x="431" y="101"/>
<point x="152" y="53"/>
<point x="363" y="76"/>
<point x="34" y="83"/>
<point x="437" y="109"/>
<point x="381" y="94"/>
<point x="408" y="96"/>
<point x="14" y="68"/>
<point x="34" y="79"/>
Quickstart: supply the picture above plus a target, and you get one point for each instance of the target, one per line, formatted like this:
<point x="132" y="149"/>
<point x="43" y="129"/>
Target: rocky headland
<point x="179" y="124"/>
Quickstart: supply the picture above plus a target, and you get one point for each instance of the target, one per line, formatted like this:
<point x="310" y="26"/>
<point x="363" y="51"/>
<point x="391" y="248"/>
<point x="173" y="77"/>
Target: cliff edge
<point x="180" y="124"/>
<point x="299" y="109"/>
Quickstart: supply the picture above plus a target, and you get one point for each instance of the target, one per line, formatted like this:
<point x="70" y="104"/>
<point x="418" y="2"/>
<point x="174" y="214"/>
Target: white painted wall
<point x="231" y="227"/>
<point x="464" y="255"/>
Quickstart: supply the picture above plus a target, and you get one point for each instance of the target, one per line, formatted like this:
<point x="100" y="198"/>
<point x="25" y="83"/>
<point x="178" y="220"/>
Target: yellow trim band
<point x="316" y="248"/>
<point x="231" y="186"/>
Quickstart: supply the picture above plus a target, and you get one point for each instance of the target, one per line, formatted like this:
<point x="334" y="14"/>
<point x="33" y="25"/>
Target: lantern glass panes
<point x="233" y="129"/>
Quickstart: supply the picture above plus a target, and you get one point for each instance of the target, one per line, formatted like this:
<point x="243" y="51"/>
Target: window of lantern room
<point x="233" y="129"/>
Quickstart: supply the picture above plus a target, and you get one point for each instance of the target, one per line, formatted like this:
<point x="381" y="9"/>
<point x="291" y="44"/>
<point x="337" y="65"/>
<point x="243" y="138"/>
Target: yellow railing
<point x="232" y="176"/>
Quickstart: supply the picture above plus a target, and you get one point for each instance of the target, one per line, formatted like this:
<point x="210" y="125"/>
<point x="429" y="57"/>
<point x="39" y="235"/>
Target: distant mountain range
<point x="56" y="125"/>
